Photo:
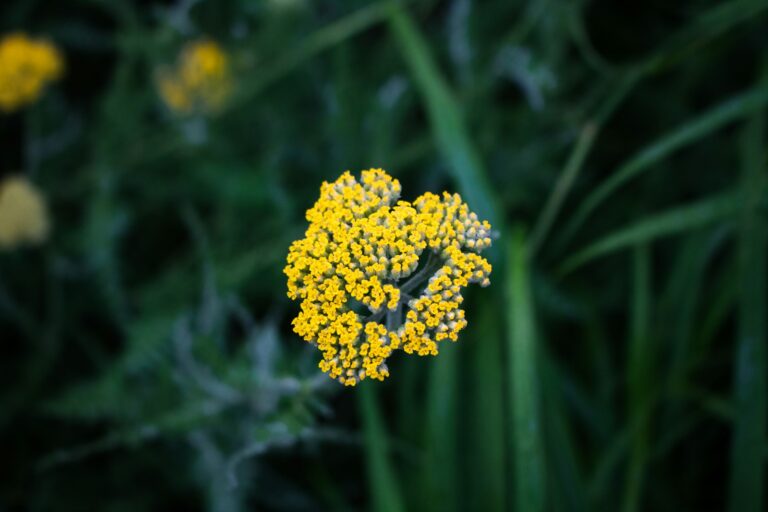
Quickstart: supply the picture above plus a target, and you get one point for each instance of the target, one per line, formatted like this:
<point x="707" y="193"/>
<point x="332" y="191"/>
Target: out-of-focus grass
<point x="385" y="491"/>
<point x="525" y="422"/>
<point x="690" y="132"/>
<point x="640" y="362"/>
<point x="747" y="484"/>
<point x="149" y="340"/>
<point x="450" y="132"/>
<point x="670" y="222"/>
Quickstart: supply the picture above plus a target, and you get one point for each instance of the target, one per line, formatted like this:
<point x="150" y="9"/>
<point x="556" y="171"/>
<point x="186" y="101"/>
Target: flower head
<point x="26" y="67"/>
<point x="200" y="80"/>
<point x="365" y="257"/>
<point x="23" y="214"/>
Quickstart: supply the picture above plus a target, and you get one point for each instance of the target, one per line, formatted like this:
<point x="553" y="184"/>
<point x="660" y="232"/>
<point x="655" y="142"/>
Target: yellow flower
<point x="26" y="67"/>
<point x="367" y="250"/>
<point x="200" y="80"/>
<point x="23" y="214"/>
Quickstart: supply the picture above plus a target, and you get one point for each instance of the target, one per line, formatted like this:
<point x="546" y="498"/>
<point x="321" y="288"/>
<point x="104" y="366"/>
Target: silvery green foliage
<point x="534" y="78"/>
<point x="457" y="27"/>
<point x="216" y="379"/>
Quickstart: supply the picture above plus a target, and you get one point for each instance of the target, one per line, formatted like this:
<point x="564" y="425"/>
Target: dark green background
<point x="617" y="362"/>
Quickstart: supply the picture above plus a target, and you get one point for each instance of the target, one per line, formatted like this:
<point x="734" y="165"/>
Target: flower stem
<point x="431" y="265"/>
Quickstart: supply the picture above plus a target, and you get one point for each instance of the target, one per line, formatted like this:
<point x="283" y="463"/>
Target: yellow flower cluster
<point x="23" y="214"/>
<point x="363" y="256"/>
<point x="26" y="67"/>
<point x="200" y="81"/>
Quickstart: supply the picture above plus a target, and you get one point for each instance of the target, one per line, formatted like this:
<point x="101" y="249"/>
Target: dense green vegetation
<point x="617" y="361"/>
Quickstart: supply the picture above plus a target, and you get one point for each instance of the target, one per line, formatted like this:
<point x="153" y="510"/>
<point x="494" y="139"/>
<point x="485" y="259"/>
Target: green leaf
<point x="526" y="436"/>
<point x="667" y="223"/>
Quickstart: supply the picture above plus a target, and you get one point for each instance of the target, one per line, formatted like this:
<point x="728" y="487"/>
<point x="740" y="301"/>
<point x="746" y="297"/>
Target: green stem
<point x="382" y="481"/>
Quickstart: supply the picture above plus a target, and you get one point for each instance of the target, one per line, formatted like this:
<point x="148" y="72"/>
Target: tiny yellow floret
<point x="23" y="214"/>
<point x="27" y="66"/>
<point x="199" y="82"/>
<point x="364" y="257"/>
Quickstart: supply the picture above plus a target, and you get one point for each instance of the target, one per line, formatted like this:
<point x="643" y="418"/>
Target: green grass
<point x="749" y="394"/>
<point x="526" y="426"/>
<point x="691" y="131"/>
<point x="385" y="492"/>
<point x="640" y="363"/>
<point x="670" y="222"/>
<point x="616" y="362"/>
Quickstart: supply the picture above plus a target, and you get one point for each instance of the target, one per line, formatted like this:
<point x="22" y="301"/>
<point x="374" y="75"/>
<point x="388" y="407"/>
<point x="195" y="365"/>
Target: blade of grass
<point x="605" y="380"/>
<point x="716" y="315"/>
<point x="667" y="223"/>
<point x="639" y="374"/>
<point x="749" y="393"/>
<point x="686" y="134"/>
<point x="605" y="467"/>
<point x="563" y="456"/>
<point x="712" y="23"/>
<point x="451" y="135"/>
<point x="409" y="404"/>
<point x="576" y="161"/>
<point x="382" y="482"/>
<point x="712" y="406"/>
<point x="526" y="429"/>
<point x="562" y="186"/>
<point x="441" y="486"/>
<point x="704" y="28"/>
<point x="319" y="41"/>
<point x="613" y="452"/>
<point x="487" y="463"/>
<point x="678" y="302"/>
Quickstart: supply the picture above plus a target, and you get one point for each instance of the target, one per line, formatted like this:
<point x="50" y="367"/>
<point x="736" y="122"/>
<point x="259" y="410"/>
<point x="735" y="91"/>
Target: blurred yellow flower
<point x="363" y="250"/>
<point x="26" y="67"/>
<point x="199" y="82"/>
<point x="23" y="213"/>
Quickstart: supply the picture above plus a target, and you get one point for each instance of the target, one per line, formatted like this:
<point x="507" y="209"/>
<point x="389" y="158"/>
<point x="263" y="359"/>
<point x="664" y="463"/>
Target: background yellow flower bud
<point x="23" y="214"/>
<point x="27" y="66"/>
